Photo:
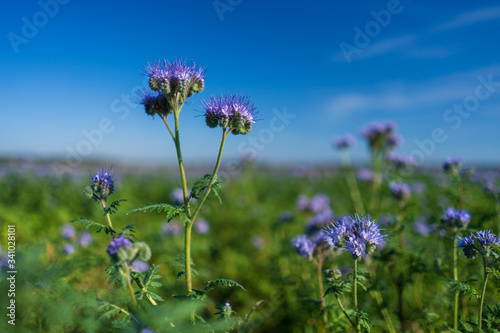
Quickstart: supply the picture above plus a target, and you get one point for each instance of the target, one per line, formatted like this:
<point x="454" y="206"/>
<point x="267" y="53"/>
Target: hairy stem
<point x="352" y="182"/>
<point x="108" y="217"/>
<point x="355" y="294"/>
<point x="455" y="277"/>
<point x="483" y="293"/>
<point x="343" y="310"/>
<point x="129" y="285"/>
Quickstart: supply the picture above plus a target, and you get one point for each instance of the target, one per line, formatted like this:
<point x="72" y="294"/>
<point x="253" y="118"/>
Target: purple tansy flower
<point x="140" y="266"/>
<point x="381" y="135"/>
<point x="302" y="203"/>
<point x="155" y="103"/>
<point x="68" y="232"/>
<point x="176" y="77"/>
<point x="304" y="246"/>
<point x="201" y="226"/>
<point x="365" y="175"/>
<point x="451" y="164"/>
<point x="103" y="182"/>
<point x="358" y="235"/>
<point x="172" y="228"/>
<point x="235" y="112"/>
<point x="319" y="203"/>
<point x="478" y="244"/>
<point x="117" y="243"/>
<point x="456" y="218"/>
<point x="68" y="248"/>
<point x="400" y="191"/>
<point x="85" y="239"/>
<point x="344" y="142"/>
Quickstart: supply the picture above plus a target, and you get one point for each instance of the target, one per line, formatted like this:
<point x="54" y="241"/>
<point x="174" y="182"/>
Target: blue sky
<point x="73" y="67"/>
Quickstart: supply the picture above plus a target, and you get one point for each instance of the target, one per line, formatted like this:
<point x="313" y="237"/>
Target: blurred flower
<point x="172" y="228"/>
<point x="365" y="175"/>
<point x="117" y="243"/>
<point x="140" y="266"/>
<point x="85" y="239"/>
<point x="452" y="164"/>
<point x="304" y="246"/>
<point x="319" y="220"/>
<point x="319" y="202"/>
<point x="176" y="77"/>
<point x="235" y="112"/>
<point x="481" y="243"/>
<point x="422" y="227"/>
<point x="68" y="232"/>
<point x="381" y="135"/>
<point x="302" y="203"/>
<point x="68" y="248"/>
<point x="201" y="226"/>
<point x="258" y="242"/>
<point x="344" y="142"/>
<point x="286" y="216"/>
<point x="400" y="161"/>
<point x="358" y="235"/>
<point x="400" y="191"/>
<point x="456" y="218"/>
<point x="177" y="196"/>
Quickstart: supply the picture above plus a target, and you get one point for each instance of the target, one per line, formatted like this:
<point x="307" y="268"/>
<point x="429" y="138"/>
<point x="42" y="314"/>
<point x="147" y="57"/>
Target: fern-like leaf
<point x="88" y="224"/>
<point x="172" y="212"/>
<point x="201" y="185"/>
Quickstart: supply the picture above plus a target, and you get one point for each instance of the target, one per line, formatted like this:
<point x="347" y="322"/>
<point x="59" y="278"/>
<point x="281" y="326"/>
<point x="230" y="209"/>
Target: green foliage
<point x="147" y="279"/>
<point x="172" y="212"/>
<point x="201" y="185"/>
<point x="88" y="224"/>
<point x="211" y="285"/>
<point x="113" y="207"/>
<point x="461" y="287"/>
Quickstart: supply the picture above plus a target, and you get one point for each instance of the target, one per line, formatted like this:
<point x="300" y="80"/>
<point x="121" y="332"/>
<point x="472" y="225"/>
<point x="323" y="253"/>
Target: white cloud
<point x="469" y="18"/>
<point x="398" y="96"/>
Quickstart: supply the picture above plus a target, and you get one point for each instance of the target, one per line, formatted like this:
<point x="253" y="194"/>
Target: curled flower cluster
<point x="381" y="135"/>
<point x="120" y="242"/>
<point x="456" y="218"/>
<point x="344" y="142"/>
<point x="400" y="191"/>
<point x="103" y="185"/>
<point x="155" y="103"/>
<point x="235" y="112"/>
<point x="177" y="77"/>
<point x="358" y="235"/>
<point x="480" y="243"/>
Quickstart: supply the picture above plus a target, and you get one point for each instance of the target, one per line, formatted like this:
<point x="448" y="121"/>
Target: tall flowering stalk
<point x="485" y="244"/>
<point x="171" y="84"/>
<point x="360" y="236"/>
<point x="315" y="247"/>
<point x="343" y="144"/>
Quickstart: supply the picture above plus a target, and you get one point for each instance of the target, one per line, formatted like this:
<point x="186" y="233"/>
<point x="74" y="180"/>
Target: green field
<point x="249" y="241"/>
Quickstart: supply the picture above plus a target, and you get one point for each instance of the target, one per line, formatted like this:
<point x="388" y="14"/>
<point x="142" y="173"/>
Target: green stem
<point x="225" y="133"/>
<point x="387" y="317"/>
<point x="189" y="225"/>
<point x="481" y="302"/>
<point x="181" y="164"/>
<point x="108" y="217"/>
<point x="343" y="310"/>
<point x="164" y="118"/>
<point x="352" y="182"/>
<point x="129" y="285"/>
<point x="321" y="291"/>
<point x="355" y="294"/>
<point x="455" y="277"/>
<point x="141" y="285"/>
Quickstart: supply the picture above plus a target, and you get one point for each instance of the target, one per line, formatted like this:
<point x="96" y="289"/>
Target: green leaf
<point x="113" y="207"/>
<point x="201" y="185"/>
<point x="172" y="212"/>
<point x="88" y="224"/>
